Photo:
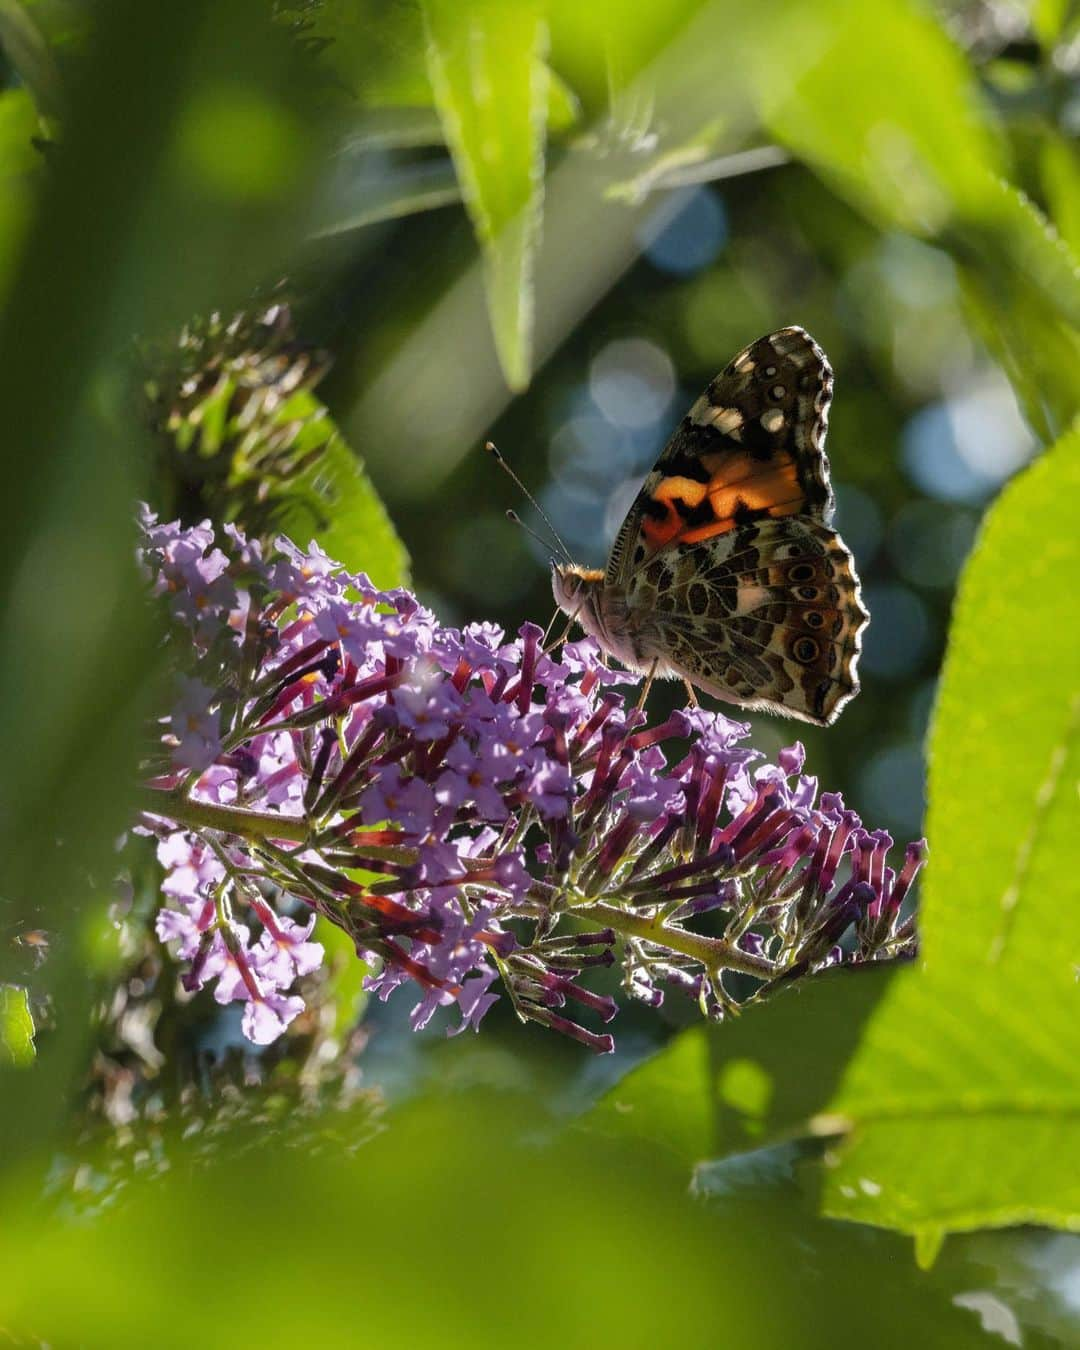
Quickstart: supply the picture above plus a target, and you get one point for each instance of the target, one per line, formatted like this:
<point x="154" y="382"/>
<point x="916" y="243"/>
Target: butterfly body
<point x="726" y="571"/>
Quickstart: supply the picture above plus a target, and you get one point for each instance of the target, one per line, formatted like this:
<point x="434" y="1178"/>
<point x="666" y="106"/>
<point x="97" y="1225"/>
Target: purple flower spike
<point x="517" y="822"/>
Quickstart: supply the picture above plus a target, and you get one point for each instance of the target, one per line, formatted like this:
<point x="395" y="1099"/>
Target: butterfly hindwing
<point x="767" y="615"/>
<point x="751" y="448"/>
<point x="726" y="571"/>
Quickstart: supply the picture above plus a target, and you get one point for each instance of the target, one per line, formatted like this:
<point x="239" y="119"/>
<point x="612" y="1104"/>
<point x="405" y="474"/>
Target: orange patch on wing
<point x="738" y="481"/>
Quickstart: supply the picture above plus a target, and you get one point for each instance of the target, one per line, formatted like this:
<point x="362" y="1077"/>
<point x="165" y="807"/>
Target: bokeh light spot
<point x="928" y="542"/>
<point x="693" y="237"/>
<point x="965" y="447"/>
<point x="891" y="788"/>
<point x="238" y="145"/>
<point x="897" y="639"/>
<point x="632" y="382"/>
<point x="859" y="521"/>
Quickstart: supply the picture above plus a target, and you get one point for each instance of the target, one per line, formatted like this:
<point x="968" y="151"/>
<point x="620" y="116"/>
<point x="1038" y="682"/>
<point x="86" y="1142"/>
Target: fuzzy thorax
<point x="601" y="608"/>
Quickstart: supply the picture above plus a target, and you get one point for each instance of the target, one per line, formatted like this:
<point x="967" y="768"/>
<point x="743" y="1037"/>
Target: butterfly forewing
<point x="751" y="447"/>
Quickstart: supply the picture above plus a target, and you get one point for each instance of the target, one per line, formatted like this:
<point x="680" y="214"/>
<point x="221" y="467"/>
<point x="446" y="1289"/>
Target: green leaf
<point x="1048" y="19"/>
<point x="20" y="168"/>
<point x="965" y="1089"/>
<point x="1060" y="164"/>
<point x="246" y="436"/>
<point x="332" y="500"/>
<point x="486" y="62"/>
<point x="761" y="1079"/>
<point x="1021" y="286"/>
<point x="616" y="1249"/>
<point x="16" y="1026"/>
<point x="889" y="114"/>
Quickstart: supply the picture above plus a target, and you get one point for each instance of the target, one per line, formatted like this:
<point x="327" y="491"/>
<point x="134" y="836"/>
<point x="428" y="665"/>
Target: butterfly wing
<point x="751" y="448"/>
<point x="766" y="615"/>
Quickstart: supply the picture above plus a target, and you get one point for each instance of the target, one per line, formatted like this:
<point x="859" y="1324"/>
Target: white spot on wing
<point x="772" y="420"/>
<point x="749" y="598"/>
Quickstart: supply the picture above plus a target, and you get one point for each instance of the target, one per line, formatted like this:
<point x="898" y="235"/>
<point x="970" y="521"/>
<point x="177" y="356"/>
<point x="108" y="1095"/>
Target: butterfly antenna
<point x="544" y="543"/>
<point x="496" y="454"/>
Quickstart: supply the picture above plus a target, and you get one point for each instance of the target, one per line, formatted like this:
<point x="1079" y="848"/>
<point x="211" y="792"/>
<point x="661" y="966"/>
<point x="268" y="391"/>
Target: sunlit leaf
<point x="965" y="1089"/>
<point x="21" y="167"/>
<point x="763" y="1078"/>
<point x="1048" y="19"/>
<point x="489" y="74"/>
<point x="1021" y="283"/>
<point x="889" y="114"/>
<point x="888" y="111"/>
<point x="16" y="1026"/>
<point x="1061" y="182"/>
<point x="332" y="500"/>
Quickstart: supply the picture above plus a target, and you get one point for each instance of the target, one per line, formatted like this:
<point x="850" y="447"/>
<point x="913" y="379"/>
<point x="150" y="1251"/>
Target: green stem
<point x="713" y="953"/>
<point x="229" y="819"/>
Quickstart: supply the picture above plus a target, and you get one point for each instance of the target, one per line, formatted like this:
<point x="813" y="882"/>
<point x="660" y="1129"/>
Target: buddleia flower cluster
<point x="480" y="815"/>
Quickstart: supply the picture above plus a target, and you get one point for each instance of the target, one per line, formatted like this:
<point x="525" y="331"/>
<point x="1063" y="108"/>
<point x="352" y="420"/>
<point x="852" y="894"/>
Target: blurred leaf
<point x="487" y="65"/>
<point x="762" y="1078"/>
<point x="614" y="1249"/>
<point x="16" y="1026"/>
<point x="563" y="109"/>
<point x="1061" y="183"/>
<point x="395" y="128"/>
<point x="126" y="236"/>
<point x="29" y="53"/>
<point x="1022" y="289"/>
<point x="21" y="165"/>
<point x="888" y="112"/>
<point x="965" y="1089"/>
<point x="1048" y="20"/>
<point x="890" y="115"/>
<point x="773" y="1166"/>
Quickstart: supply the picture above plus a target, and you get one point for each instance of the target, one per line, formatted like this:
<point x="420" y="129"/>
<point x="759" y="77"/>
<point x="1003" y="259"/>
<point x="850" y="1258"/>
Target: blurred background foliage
<point x="285" y="262"/>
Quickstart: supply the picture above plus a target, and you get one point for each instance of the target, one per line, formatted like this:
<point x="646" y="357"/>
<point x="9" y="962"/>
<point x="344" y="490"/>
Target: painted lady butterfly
<point x="726" y="572"/>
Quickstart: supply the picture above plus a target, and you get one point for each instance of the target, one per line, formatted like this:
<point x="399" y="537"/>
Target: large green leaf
<point x="454" y="1227"/>
<point x="486" y="61"/>
<point x="965" y="1089"/>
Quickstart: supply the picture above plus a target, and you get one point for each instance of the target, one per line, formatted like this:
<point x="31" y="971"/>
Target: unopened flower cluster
<point x="476" y="813"/>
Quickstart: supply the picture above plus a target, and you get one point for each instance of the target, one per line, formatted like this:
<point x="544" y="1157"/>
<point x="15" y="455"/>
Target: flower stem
<point x="713" y="953"/>
<point x="238" y="820"/>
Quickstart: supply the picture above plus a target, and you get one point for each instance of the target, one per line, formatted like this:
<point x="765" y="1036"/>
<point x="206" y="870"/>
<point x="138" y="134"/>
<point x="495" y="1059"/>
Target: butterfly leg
<point x="549" y="647"/>
<point x="691" y="696"/>
<point x="647" y="685"/>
